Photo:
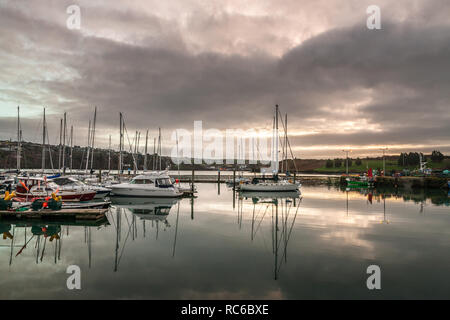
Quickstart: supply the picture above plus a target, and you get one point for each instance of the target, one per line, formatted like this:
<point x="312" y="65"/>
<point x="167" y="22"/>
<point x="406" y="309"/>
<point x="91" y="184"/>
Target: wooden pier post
<point x="218" y="182"/>
<point x="192" y="178"/>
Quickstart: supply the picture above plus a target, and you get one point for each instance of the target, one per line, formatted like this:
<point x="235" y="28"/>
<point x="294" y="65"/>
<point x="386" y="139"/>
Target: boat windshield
<point x="164" y="182"/>
<point x="142" y="181"/>
<point x="67" y="181"/>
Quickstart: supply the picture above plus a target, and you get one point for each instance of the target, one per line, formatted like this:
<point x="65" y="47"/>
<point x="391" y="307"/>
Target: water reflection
<point x="279" y="205"/>
<point x="150" y="212"/>
<point x="314" y="245"/>
<point x="423" y="197"/>
<point x="37" y="236"/>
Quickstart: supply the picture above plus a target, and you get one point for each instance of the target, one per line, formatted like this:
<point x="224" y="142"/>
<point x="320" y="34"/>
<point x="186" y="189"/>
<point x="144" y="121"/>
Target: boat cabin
<point x="160" y="181"/>
<point x="30" y="182"/>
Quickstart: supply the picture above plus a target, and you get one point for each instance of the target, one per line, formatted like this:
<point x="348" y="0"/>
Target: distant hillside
<point x="32" y="159"/>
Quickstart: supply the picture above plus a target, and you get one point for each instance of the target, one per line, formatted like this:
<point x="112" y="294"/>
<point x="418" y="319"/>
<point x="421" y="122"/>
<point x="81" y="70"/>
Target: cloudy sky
<point x="227" y="63"/>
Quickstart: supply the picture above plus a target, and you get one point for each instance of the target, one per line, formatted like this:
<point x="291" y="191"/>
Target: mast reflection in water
<point x="238" y="246"/>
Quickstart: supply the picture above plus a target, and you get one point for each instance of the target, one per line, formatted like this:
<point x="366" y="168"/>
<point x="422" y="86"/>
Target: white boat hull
<point x="271" y="194"/>
<point x="270" y="187"/>
<point x="126" y="190"/>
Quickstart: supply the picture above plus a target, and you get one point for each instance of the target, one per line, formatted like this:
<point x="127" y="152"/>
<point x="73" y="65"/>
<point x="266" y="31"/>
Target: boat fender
<point x="7" y="235"/>
<point x="9" y="196"/>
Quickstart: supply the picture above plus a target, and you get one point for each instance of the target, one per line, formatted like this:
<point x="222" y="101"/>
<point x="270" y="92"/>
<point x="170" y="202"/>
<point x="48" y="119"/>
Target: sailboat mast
<point x="120" y="143"/>
<point x="135" y="151"/>
<point x="159" y="149"/>
<point x="137" y="154"/>
<point x="145" y="157"/>
<point x="154" y="154"/>
<point x="89" y="141"/>
<point x="19" y="142"/>
<point x="60" y="145"/>
<point x="276" y="140"/>
<point x="43" y="143"/>
<point x="71" y="148"/>
<point x="64" y="144"/>
<point x="109" y="154"/>
<point x="178" y="158"/>
<point x="285" y="144"/>
<point x="93" y="138"/>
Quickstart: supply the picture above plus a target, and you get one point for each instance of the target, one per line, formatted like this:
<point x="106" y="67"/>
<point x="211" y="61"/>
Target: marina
<point x="214" y="156"/>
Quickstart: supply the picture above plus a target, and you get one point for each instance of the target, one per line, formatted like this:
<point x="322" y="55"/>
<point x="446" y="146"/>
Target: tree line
<point x="405" y="159"/>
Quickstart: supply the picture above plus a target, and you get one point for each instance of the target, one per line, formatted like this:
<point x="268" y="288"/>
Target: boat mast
<point x="178" y="157"/>
<point x="135" y="151"/>
<point x="93" y="137"/>
<point x="60" y="145"/>
<point x="145" y="157"/>
<point x="89" y="141"/>
<point x="71" y="148"/>
<point x="159" y="149"/>
<point x="137" y="154"/>
<point x="285" y="144"/>
<point x="276" y="141"/>
<point x="19" y="143"/>
<point x="109" y="155"/>
<point x="43" y="144"/>
<point x="64" y="144"/>
<point x="120" y="142"/>
<point x="154" y="154"/>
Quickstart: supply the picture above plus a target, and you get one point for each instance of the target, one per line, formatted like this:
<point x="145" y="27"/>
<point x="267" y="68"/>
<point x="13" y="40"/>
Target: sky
<point x="227" y="63"/>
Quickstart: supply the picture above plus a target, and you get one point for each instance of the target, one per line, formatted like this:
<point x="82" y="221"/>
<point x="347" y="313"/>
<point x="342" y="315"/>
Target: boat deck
<point x="73" y="214"/>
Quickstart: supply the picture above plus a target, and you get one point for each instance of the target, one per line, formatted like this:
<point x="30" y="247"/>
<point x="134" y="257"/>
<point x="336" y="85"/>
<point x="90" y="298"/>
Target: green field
<point x="378" y="164"/>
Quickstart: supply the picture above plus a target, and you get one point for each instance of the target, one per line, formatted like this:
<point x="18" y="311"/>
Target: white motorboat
<point x="154" y="184"/>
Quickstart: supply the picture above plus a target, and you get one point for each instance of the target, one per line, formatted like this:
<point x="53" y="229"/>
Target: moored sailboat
<point x="274" y="183"/>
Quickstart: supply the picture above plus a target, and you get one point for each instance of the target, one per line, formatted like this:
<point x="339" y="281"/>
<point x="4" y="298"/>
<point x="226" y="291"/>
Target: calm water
<point x="318" y="247"/>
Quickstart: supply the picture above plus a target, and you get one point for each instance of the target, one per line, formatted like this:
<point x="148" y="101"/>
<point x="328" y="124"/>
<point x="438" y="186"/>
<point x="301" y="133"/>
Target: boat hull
<point x="73" y="196"/>
<point x="270" y="187"/>
<point x="101" y="194"/>
<point x="124" y="191"/>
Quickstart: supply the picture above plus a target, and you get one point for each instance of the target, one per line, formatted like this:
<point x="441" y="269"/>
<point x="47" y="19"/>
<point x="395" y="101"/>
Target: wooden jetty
<point x="71" y="214"/>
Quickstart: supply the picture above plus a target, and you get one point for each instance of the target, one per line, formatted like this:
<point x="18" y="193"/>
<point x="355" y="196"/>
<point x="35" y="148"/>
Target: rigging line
<point x="112" y="218"/>
<point x="289" y="236"/>
<point x="176" y="231"/>
<point x="124" y="244"/>
<point x="257" y="228"/>
<point x="49" y="147"/>
<point x="289" y="144"/>
<point x="257" y="214"/>
<point x="129" y="144"/>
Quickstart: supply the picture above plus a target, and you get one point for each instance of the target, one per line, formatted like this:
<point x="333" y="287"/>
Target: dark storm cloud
<point x="393" y="82"/>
